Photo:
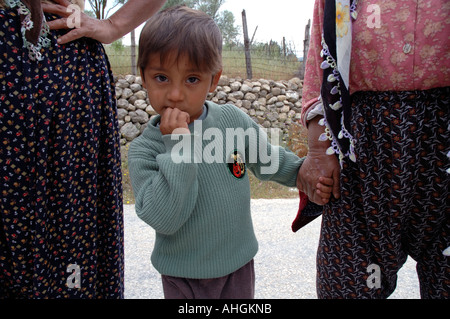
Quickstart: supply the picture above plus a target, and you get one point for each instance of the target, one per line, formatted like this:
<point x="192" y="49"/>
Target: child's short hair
<point x="182" y="30"/>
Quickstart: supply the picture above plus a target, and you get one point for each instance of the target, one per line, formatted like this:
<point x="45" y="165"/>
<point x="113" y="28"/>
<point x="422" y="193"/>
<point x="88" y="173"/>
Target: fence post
<point x="305" y="48"/>
<point x="133" y="53"/>
<point x="248" y="60"/>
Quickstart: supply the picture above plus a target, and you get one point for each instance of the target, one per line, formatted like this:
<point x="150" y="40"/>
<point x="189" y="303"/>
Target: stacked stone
<point x="272" y="104"/>
<point x="133" y="108"/>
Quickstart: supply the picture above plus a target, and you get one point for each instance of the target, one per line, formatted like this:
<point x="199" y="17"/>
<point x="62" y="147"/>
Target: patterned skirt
<point x="61" y="217"/>
<point x="395" y="200"/>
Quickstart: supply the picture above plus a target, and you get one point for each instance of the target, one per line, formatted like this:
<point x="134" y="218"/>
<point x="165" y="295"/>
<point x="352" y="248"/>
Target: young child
<point x="190" y="185"/>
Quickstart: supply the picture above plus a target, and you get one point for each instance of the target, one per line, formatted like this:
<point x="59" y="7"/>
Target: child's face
<point x="178" y="84"/>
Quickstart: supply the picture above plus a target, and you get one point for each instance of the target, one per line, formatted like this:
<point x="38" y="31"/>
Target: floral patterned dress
<point x="394" y="181"/>
<point x="61" y="220"/>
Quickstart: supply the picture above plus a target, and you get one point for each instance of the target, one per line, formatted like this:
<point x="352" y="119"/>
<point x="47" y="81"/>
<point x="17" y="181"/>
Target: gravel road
<point x="284" y="265"/>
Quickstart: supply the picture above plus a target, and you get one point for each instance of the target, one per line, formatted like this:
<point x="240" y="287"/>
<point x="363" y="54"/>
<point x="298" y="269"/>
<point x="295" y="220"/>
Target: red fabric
<point x="301" y="220"/>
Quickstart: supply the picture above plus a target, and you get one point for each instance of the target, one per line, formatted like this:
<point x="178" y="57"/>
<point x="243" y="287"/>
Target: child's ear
<point x="215" y="81"/>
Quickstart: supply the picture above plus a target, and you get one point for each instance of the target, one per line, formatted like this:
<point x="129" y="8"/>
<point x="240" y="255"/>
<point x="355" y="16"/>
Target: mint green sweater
<point x="198" y="208"/>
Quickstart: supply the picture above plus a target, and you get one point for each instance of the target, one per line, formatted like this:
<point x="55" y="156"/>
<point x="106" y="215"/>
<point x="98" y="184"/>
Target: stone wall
<point x="272" y="104"/>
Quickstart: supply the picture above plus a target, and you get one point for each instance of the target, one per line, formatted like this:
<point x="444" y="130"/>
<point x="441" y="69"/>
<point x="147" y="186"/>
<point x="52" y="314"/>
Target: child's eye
<point x="161" y="78"/>
<point x="192" y="80"/>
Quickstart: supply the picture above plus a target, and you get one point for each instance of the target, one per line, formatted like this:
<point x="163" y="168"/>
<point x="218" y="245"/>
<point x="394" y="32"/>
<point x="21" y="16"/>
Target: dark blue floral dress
<point x="61" y="217"/>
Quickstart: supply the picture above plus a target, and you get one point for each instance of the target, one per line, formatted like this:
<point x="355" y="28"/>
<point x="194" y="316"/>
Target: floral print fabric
<point x="395" y="200"/>
<point x="396" y="45"/>
<point x="61" y="198"/>
<point x="342" y="19"/>
<point x="394" y="197"/>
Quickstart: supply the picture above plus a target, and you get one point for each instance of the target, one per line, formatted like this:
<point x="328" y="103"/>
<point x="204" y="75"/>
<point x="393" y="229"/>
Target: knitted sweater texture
<point x="198" y="208"/>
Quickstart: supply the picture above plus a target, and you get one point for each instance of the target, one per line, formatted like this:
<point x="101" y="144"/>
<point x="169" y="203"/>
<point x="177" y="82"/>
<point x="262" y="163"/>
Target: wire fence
<point x="265" y="63"/>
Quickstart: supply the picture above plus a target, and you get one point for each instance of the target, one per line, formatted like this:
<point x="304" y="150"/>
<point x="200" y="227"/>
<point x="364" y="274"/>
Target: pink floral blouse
<point x="397" y="45"/>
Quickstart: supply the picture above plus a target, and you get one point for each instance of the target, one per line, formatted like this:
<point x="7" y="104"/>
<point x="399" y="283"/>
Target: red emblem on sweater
<point x="236" y="164"/>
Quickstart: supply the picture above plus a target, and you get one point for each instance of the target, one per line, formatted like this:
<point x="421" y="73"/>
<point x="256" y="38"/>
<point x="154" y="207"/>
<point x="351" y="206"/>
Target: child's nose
<point x="175" y="93"/>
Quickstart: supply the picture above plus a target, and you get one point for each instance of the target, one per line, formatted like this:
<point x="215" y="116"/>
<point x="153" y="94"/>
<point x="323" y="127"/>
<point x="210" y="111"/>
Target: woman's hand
<point x="318" y="165"/>
<point x="132" y="14"/>
<point x="81" y="24"/>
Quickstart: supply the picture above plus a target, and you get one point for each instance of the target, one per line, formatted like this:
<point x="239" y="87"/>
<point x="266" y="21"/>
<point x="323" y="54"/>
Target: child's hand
<point x="324" y="188"/>
<point x="174" y="121"/>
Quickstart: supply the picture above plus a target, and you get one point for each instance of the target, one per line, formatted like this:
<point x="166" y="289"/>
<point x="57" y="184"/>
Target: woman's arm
<point x="313" y="73"/>
<point x="317" y="164"/>
<point x="132" y="14"/>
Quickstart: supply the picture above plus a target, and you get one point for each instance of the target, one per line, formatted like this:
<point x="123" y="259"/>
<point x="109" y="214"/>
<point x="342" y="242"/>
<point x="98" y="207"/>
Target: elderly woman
<point x="61" y="223"/>
<point x="376" y="102"/>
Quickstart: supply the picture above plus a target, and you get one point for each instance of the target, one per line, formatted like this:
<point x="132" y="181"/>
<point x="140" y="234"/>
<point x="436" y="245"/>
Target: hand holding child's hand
<point x="323" y="189"/>
<point x="174" y="121"/>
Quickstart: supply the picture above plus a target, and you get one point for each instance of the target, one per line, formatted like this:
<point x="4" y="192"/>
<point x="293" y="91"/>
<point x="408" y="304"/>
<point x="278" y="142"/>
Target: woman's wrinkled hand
<point x="315" y="173"/>
<point x="317" y="166"/>
<point x="79" y="23"/>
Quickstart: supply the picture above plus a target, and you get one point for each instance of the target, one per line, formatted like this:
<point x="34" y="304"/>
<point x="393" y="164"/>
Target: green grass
<point x="128" y="196"/>
<point x="263" y="66"/>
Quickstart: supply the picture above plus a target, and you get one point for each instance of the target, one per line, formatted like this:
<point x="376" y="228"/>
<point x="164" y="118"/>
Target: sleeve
<point x="165" y="183"/>
<point x="271" y="161"/>
<point x="313" y="73"/>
